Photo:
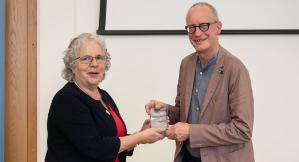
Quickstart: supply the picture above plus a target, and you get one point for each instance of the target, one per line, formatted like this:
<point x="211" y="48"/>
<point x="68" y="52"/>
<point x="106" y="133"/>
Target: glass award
<point x="159" y="118"/>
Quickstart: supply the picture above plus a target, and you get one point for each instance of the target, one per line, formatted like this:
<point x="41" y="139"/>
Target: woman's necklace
<point x="93" y="95"/>
<point x="106" y="108"/>
<point x="96" y="98"/>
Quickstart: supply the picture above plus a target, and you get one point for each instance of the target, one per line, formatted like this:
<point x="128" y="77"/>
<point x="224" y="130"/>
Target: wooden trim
<point x="32" y="80"/>
<point x="20" y="81"/>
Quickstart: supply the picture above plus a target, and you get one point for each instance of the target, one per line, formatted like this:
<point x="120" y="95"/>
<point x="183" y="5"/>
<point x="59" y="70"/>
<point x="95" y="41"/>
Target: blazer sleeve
<point x="174" y="111"/>
<point x="240" y="110"/>
<point x="74" y="120"/>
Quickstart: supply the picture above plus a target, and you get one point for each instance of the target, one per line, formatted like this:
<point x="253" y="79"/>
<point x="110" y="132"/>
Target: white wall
<point x="121" y="15"/>
<point x="146" y="67"/>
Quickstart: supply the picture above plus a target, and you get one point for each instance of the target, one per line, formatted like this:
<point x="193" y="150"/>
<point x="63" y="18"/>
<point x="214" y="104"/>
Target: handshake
<point x="158" y="127"/>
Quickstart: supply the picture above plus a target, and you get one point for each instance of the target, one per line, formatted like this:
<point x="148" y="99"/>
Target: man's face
<point x="203" y="41"/>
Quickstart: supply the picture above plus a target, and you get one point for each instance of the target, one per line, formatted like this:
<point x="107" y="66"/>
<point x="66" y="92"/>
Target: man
<point x="213" y="113"/>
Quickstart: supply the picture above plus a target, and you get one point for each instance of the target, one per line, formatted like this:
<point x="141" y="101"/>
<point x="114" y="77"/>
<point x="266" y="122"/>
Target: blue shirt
<point x="200" y="85"/>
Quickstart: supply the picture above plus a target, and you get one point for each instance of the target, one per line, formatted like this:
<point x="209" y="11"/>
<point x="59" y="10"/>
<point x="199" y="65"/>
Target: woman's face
<point x="88" y="73"/>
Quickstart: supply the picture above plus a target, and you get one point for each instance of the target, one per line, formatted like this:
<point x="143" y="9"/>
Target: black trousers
<point x="187" y="157"/>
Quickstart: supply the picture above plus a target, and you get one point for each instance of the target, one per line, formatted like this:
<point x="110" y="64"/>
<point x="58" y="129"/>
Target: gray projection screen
<point x="134" y="17"/>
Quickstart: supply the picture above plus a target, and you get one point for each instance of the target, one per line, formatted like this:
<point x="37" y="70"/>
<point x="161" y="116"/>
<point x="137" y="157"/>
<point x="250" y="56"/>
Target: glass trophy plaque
<point x="159" y="118"/>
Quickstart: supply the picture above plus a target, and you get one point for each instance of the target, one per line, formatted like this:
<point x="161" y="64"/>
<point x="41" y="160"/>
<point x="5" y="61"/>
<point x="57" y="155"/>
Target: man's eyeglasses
<point x="202" y="27"/>
<point x="87" y="59"/>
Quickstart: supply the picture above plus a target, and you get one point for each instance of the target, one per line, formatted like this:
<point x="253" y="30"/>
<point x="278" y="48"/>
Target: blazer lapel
<point x="214" y="80"/>
<point x="190" y="73"/>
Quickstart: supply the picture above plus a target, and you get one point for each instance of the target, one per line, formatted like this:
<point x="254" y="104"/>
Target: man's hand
<point x="178" y="132"/>
<point x="154" y="104"/>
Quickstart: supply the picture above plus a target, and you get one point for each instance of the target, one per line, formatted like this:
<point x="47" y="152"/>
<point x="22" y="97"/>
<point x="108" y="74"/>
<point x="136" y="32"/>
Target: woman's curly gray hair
<point x="71" y="53"/>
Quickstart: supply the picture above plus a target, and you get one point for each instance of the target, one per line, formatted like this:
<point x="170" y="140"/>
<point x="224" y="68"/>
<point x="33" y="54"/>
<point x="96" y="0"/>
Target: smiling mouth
<point x="198" y="40"/>
<point x="93" y="73"/>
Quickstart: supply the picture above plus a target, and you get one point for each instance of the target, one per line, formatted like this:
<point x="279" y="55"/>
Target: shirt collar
<point x="212" y="61"/>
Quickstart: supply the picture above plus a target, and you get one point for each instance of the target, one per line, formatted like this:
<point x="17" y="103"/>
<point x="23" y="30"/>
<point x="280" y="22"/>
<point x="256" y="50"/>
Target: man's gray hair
<point x="209" y="6"/>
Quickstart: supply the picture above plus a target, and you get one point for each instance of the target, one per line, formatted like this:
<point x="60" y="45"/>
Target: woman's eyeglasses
<point x="87" y="59"/>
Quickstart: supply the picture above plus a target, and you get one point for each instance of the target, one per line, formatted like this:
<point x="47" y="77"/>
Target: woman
<point x="84" y="124"/>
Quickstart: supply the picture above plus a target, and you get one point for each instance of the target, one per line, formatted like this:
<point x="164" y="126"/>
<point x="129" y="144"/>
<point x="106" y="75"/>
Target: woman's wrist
<point x="136" y="137"/>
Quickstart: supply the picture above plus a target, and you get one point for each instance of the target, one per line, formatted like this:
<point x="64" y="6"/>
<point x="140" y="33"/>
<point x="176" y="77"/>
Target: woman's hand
<point x="152" y="135"/>
<point x="146" y="125"/>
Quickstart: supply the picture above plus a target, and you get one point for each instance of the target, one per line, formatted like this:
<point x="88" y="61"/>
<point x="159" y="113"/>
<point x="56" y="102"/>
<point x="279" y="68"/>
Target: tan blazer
<point x="226" y="117"/>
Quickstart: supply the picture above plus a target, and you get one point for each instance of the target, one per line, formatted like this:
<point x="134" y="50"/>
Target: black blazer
<point x="80" y="130"/>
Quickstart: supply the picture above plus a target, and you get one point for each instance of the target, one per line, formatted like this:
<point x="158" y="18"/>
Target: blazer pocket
<point x="234" y="154"/>
<point x="236" y="148"/>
